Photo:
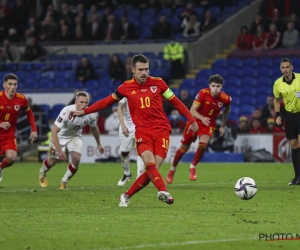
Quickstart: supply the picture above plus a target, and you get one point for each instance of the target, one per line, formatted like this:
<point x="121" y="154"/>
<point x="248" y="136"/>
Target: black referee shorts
<point x="292" y="126"/>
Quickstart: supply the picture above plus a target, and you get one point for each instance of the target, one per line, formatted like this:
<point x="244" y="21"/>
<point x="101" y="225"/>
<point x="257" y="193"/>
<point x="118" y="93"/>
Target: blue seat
<point x="48" y="75"/>
<point x="102" y="73"/>
<point x="149" y="55"/>
<point x="46" y="109"/>
<point x="247" y="91"/>
<point x="122" y="56"/>
<point x="264" y="71"/>
<point x="199" y="11"/>
<point x="45" y="84"/>
<point x="167" y="12"/>
<point x="233" y="117"/>
<point x="235" y="100"/>
<point x="204" y="73"/>
<point x="72" y="57"/>
<point x="103" y="57"/>
<point x="249" y="71"/>
<point x="250" y="62"/>
<point x="265" y="62"/>
<point x="30" y="84"/>
<point x="261" y="100"/>
<point x="38" y="66"/>
<point x="21" y="75"/>
<point x="25" y="66"/>
<point x="154" y="64"/>
<point x="237" y="63"/>
<point x="265" y="81"/>
<point x="118" y="12"/>
<point x="64" y="66"/>
<point x="232" y="90"/>
<point x="220" y="63"/>
<point x="11" y="66"/>
<point x="188" y="82"/>
<point x="89" y="56"/>
<point x="234" y="72"/>
<point x="265" y="90"/>
<point x="233" y="81"/>
<point x="219" y="70"/>
<point x="56" y="57"/>
<point x="34" y="75"/>
<point x="75" y="84"/>
<point x="234" y="110"/>
<point x="60" y="84"/>
<point x="215" y="11"/>
<point x="131" y="54"/>
<point x="246" y="109"/>
<point x="201" y="81"/>
<point x="175" y="91"/>
<point x="133" y="12"/>
<point x="92" y="84"/>
<point x="58" y="107"/>
<point x="249" y="81"/>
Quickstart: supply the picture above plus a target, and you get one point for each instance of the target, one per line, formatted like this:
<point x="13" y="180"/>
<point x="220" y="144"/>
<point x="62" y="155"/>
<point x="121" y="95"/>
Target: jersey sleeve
<point x="226" y="99"/>
<point x="276" y="91"/>
<point x="26" y="106"/>
<point x="93" y="120"/>
<point x="123" y="100"/>
<point x="62" y="117"/>
<point x="199" y="98"/>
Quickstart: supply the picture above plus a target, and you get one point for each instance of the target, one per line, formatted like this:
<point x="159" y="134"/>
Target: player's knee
<point x="11" y="159"/>
<point x="124" y="154"/>
<point x="202" y="146"/>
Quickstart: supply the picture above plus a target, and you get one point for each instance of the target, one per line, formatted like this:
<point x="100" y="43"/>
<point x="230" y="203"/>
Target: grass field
<point x="206" y="213"/>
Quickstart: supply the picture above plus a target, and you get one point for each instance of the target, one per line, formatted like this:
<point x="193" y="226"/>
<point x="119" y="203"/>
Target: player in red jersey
<point x="145" y="100"/>
<point x="206" y="108"/>
<point x="11" y="104"/>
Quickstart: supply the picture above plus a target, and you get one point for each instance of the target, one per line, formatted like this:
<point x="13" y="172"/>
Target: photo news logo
<point x="278" y="236"/>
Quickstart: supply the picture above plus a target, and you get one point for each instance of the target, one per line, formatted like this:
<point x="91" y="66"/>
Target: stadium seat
<point x="265" y="81"/>
<point x="175" y="91"/>
<point x="149" y="55"/>
<point x="204" y="73"/>
<point x="233" y="81"/>
<point x="265" y="62"/>
<point x="45" y="84"/>
<point x="246" y="109"/>
<point x="264" y="71"/>
<point x="167" y="12"/>
<point x="249" y="71"/>
<point x="266" y="90"/>
<point x="220" y="63"/>
<point x="89" y="56"/>
<point x="46" y="109"/>
<point x="11" y="66"/>
<point x="92" y="84"/>
<point x="247" y="91"/>
<point x="219" y="70"/>
<point x="30" y="84"/>
<point x="201" y="81"/>
<point x="234" y="110"/>
<point x="250" y="62"/>
<point x="38" y="66"/>
<point x="34" y="75"/>
<point x="187" y="83"/>
<point x="249" y="81"/>
<point x="233" y="117"/>
<point x="233" y="72"/>
<point x="72" y="57"/>
<point x="56" y="57"/>
<point x="261" y="100"/>
<point x="75" y="84"/>
<point x="25" y="66"/>
<point x="232" y="90"/>
<point x="64" y="66"/>
<point x="21" y="75"/>
<point x="133" y="12"/>
<point x="237" y="63"/>
<point x="215" y="11"/>
<point x="60" y="84"/>
<point x="103" y="57"/>
<point x="235" y="100"/>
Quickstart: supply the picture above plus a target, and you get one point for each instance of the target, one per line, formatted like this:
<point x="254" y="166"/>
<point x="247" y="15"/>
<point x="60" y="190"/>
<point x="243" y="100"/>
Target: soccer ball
<point x="245" y="188"/>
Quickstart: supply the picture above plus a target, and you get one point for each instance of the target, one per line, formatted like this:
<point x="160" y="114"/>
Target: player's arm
<point x="225" y="115"/>
<point x="30" y="117"/>
<point x="277" y="109"/>
<point x="96" y="134"/>
<point x="121" y="118"/>
<point x="55" y="141"/>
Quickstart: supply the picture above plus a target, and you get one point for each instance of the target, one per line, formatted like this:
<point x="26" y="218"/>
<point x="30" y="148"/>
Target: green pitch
<point x="206" y="213"/>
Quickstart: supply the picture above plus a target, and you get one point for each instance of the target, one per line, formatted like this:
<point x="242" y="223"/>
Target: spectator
<point x="13" y="35"/>
<point x="112" y="122"/>
<point x="273" y="38"/>
<point x="256" y="127"/>
<point x="48" y="30"/>
<point x="267" y="109"/>
<point x="50" y="13"/>
<point x="79" y="36"/>
<point x="94" y="29"/>
<point x="185" y="98"/>
<point x="64" y="35"/>
<point x="33" y="26"/>
<point x="272" y="128"/>
<point x="79" y="24"/>
<point x="80" y="12"/>
<point x="174" y="53"/>
<point x="176" y="121"/>
<point x="129" y="31"/>
<point x="93" y="12"/>
<point x="259" y="38"/>
<point x="244" y="40"/>
<point x="85" y="71"/>
<point x="189" y="10"/>
<point x="258" y="21"/>
<point x="33" y="50"/>
<point x="116" y="69"/>
<point x="191" y="28"/>
<point x="112" y="30"/>
<point x="280" y="25"/>
<point x="290" y="37"/>
<point x="207" y="22"/>
<point x="19" y="16"/>
<point x="10" y="53"/>
<point x="243" y="127"/>
<point x="161" y="29"/>
<point x="66" y="15"/>
<point x="296" y="22"/>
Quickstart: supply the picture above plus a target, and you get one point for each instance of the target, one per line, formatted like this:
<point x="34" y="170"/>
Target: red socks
<point x="199" y="153"/>
<point x="143" y="180"/>
<point x="178" y="155"/>
<point x="5" y="163"/>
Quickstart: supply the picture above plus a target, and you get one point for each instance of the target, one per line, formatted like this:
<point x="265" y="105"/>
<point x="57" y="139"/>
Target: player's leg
<point x="127" y="143"/>
<point x="74" y="147"/>
<point x="71" y="170"/>
<point x="203" y="141"/>
<point x="10" y="150"/>
<point x="140" y="166"/>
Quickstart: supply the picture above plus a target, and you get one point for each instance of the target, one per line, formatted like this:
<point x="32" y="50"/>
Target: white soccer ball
<point x="245" y="188"/>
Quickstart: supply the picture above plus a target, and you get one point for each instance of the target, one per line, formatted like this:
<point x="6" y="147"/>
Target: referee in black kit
<point x="288" y="87"/>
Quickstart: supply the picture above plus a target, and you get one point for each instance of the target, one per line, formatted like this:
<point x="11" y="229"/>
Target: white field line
<point x="184" y="243"/>
<point x="38" y="189"/>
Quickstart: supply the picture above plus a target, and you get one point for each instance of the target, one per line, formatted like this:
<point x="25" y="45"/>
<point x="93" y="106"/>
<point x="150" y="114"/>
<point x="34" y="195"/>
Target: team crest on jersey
<point x="17" y="107"/>
<point x="86" y="121"/>
<point x="220" y="104"/>
<point x="153" y="89"/>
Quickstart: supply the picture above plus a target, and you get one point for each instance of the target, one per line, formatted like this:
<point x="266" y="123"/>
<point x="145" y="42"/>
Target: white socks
<point x="125" y="160"/>
<point x="140" y="166"/>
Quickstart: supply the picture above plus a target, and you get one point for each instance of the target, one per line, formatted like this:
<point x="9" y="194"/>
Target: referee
<point x="288" y="87"/>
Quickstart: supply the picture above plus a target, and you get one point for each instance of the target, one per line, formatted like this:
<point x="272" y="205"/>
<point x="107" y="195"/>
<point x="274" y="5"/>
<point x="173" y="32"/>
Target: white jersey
<point x="68" y="128"/>
<point x="127" y="117"/>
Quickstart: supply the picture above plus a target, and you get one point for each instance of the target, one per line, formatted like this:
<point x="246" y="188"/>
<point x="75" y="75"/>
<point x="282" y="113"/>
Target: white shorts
<point x="72" y="144"/>
<point x="127" y="143"/>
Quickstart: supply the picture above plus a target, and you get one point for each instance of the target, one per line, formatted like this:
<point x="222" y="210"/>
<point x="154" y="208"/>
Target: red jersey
<point x="10" y="110"/>
<point x="146" y="102"/>
<point x="209" y="106"/>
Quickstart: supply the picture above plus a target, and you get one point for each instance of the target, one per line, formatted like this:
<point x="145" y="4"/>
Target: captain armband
<point x="168" y="94"/>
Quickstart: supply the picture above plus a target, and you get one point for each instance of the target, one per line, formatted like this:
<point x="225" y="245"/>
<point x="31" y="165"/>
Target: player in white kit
<point x="127" y="140"/>
<point x="66" y="134"/>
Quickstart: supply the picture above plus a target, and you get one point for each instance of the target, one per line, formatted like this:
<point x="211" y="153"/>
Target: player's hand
<point x="74" y="113"/>
<point x="222" y="131"/>
<point x="62" y="155"/>
<point x="125" y="131"/>
<point x="5" y="125"/>
<point x="206" y="121"/>
<point x="33" y="136"/>
<point x="278" y="120"/>
<point x="193" y="127"/>
<point x="101" y="149"/>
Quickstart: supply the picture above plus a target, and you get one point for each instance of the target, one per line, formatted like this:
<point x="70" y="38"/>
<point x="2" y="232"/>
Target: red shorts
<point x="156" y="140"/>
<point x="8" y="143"/>
<point x="188" y="138"/>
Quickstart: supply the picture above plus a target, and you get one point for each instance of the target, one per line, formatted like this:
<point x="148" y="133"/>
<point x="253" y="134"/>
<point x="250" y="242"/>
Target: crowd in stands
<point x="276" y="26"/>
<point x="106" y="20"/>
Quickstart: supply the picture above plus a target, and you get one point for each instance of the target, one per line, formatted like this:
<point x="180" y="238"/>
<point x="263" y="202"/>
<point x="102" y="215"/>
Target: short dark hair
<point x="10" y="76"/>
<point x="286" y="60"/>
<point x="82" y="93"/>
<point x="138" y="58"/>
<point x="216" y="78"/>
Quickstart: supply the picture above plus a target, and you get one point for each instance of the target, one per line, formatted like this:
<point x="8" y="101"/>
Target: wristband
<point x="278" y="114"/>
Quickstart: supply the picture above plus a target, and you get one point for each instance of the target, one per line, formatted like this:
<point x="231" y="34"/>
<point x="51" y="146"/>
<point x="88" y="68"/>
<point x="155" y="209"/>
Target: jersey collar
<point x="289" y="82"/>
